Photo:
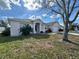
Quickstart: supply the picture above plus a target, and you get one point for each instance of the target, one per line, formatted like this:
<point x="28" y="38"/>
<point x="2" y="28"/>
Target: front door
<point x="37" y="27"/>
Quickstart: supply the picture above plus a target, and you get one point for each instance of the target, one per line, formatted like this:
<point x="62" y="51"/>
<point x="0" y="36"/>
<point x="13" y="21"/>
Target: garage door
<point x="54" y="29"/>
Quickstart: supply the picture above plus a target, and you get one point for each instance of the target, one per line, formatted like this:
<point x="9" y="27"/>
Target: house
<point x="54" y="26"/>
<point x="37" y="26"/>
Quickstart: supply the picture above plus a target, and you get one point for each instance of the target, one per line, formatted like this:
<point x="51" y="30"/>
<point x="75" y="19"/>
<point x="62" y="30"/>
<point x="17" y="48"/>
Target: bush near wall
<point x="6" y="32"/>
<point x="25" y="30"/>
<point x="48" y="31"/>
<point x="61" y="30"/>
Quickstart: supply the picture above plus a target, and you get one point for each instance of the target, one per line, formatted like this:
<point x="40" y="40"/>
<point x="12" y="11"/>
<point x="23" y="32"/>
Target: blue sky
<point x="22" y="12"/>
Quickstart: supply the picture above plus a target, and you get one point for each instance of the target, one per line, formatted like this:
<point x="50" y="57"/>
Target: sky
<point x="26" y="9"/>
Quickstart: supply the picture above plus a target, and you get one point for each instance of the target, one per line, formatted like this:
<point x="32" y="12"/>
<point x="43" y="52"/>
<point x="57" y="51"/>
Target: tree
<point x="25" y="30"/>
<point x="3" y="23"/>
<point x="65" y="8"/>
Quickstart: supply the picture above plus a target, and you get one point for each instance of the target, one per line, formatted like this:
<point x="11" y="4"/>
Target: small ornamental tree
<point x="25" y="30"/>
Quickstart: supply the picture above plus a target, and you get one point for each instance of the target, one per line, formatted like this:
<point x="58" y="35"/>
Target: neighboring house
<point x="37" y="26"/>
<point x="54" y="26"/>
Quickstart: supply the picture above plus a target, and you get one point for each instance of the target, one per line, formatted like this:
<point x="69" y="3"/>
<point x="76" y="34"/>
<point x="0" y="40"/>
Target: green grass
<point x="38" y="47"/>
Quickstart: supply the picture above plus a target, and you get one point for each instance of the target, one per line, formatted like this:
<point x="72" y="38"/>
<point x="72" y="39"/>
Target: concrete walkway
<point x="74" y="34"/>
<point x="51" y="33"/>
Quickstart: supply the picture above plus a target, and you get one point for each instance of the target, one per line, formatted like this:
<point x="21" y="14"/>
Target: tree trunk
<point x="66" y="30"/>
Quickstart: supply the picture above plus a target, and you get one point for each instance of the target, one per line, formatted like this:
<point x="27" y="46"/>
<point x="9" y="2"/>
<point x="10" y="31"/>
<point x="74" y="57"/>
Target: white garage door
<point x="55" y="29"/>
<point x="15" y="29"/>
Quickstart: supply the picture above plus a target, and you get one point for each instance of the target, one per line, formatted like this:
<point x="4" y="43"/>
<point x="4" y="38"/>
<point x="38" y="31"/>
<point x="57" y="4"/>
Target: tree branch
<point x="68" y="5"/>
<point x="63" y="19"/>
<point x="76" y="7"/>
<point x="64" y="6"/>
<point x="75" y="17"/>
<point x="56" y="11"/>
<point x="72" y="7"/>
<point x="59" y="4"/>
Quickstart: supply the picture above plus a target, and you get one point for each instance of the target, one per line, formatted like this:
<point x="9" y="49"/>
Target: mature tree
<point x="67" y="9"/>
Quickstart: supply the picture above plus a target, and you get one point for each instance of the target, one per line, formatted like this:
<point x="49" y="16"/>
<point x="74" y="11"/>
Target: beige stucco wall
<point x="15" y="28"/>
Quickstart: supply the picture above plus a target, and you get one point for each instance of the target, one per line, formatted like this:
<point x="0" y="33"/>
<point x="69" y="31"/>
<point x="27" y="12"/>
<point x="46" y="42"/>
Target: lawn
<point x="39" y="47"/>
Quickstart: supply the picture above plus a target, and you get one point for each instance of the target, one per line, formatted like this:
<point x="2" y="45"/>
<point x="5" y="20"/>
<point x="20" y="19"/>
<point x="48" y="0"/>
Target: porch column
<point x="34" y="28"/>
<point x="40" y="27"/>
<point x="44" y="28"/>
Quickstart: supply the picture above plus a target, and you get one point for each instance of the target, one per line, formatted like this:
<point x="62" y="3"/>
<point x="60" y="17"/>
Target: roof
<point x="29" y="20"/>
<point x="23" y="20"/>
<point x="51" y="23"/>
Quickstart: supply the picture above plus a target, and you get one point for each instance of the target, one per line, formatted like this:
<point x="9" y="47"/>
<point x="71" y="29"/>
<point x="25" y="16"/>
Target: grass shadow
<point x="69" y="41"/>
<point x="40" y="36"/>
<point x="4" y="39"/>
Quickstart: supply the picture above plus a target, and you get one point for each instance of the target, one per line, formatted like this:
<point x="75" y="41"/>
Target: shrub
<point x="72" y="27"/>
<point x="25" y="30"/>
<point x="61" y="30"/>
<point x="6" y="32"/>
<point x="41" y="32"/>
<point x="48" y="31"/>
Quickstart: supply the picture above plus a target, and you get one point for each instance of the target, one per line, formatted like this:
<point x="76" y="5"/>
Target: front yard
<point x="39" y="47"/>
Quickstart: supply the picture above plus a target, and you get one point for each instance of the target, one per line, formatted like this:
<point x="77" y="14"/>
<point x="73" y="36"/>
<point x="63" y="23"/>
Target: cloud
<point x="16" y="2"/>
<point x="5" y="4"/>
<point x="58" y="15"/>
<point x="38" y="17"/>
<point x="51" y="4"/>
<point x="32" y="17"/>
<point x="35" y="17"/>
<point x="53" y="16"/>
<point x="31" y="4"/>
<point x="44" y="15"/>
<point x="78" y="18"/>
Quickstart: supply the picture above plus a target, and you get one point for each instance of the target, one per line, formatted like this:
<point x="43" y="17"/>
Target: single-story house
<point x="37" y="25"/>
